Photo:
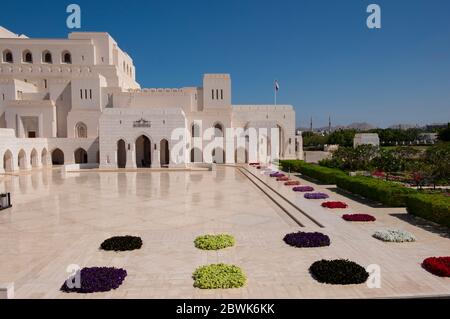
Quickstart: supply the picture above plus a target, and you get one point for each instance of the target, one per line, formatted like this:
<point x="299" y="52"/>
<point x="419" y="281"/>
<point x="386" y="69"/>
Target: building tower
<point x="329" y="125"/>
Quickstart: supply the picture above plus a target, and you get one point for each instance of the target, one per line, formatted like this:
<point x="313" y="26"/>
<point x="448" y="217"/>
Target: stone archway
<point x="57" y="157"/>
<point x="8" y="161"/>
<point x="241" y="156"/>
<point x="218" y="155"/>
<point x="164" y="152"/>
<point x="121" y="154"/>
<point x="196" y="155"/>
<point x="22" y="160"/>
<point x="44" y="157"/>
<point x="34" y="159"/>
<point x="143" y="152"/>
<point x="81" y="156"/>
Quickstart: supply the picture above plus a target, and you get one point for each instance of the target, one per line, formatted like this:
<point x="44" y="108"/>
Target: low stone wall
<point x="316" y="156"/>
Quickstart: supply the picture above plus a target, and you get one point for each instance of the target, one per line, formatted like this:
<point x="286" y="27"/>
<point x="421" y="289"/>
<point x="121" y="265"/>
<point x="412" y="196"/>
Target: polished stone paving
<point x="59" y="219"/>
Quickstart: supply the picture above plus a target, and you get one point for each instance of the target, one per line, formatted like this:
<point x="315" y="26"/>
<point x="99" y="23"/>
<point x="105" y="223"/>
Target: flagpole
<point x="275" y="91"/>
<point x="275" y="96"/>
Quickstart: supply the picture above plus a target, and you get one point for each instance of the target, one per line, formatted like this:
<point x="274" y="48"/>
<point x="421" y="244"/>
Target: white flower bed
<point x="396" y="236"/>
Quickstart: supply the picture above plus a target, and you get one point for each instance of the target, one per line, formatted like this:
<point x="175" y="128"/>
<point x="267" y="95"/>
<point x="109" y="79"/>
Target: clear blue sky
<point x="321" y="52"/>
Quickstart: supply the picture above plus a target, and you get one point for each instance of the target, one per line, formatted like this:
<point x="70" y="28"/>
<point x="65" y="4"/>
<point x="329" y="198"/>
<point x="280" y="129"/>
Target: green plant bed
<point x="214" y="242"/>
<point x="122" y="243"/>
<point x="435" y="208"/>
<point x="218" y="276"/>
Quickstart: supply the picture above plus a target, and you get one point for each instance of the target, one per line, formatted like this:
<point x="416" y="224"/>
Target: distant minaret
<point x="310" y="125"/>
<point x="329" y="125"/>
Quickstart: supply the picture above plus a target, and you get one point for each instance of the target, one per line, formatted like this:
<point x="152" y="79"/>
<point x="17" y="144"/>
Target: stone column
<point x="38" y="163"/>
<point x="131" y="156"/>
<point x="156" y="157"/>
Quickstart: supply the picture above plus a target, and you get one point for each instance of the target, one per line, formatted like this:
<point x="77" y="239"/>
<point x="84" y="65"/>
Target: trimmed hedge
<point x="435" y="208"/>
<point x="388" y="193"/>
<point x="323" y="174"/>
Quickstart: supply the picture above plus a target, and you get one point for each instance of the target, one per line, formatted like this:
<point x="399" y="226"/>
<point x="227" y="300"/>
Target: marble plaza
<point x="60" y="218"/>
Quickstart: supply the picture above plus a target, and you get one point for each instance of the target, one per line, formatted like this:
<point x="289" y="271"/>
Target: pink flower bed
<point x="334" y="205"/>
<point x="282" y="179"/>
<point x="292" y="183"/>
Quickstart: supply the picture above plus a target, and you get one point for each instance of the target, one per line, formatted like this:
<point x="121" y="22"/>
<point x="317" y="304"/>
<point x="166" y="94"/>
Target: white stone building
<point x="366" y="139"/>
<point x="76" y="101"/>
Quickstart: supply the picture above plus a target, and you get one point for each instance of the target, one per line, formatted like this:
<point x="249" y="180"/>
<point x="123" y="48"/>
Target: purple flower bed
<point x="316" y="196"/>
<point x="303" y="189"/>
<point x="277" y="174"/>
<point x="96" y="279"/>
<point x="302" y="239"/>
<point x="359" y="218"/>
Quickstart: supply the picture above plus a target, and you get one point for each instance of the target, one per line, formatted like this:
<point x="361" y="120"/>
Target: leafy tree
<point x="388" y="162"/>
<point x="421" y="172"/>
<point x="312" y="139"/>
<point x="444" y="135"/>
<point x="342" y="137"/>
<point x="438" y="156"/>
<point x="349" y="158"/>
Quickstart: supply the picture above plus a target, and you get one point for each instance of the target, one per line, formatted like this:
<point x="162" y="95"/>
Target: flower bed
<point x="359" y="218"/>
<point x="214" y="242"/>
<point x="396" y="236"/>
<point x="218" y="276"/>
<point x="334" y="205"/>
<point x="95" y="279"/>
<point x="122" y="243"/>
<point x="316" y="196"/>
<point x="276" y="174"/>
<point x="338" y="272"/>
<point x="292" y="183"/>
<point x="282" y="179"/>
<point x="439" y="266"/>
<point x="303" y="189"/>
<point x="302" y="239"/>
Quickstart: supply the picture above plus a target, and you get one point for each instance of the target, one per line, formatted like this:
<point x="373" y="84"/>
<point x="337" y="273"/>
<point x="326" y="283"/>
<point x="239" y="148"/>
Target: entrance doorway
<point x="164" y="153"/>
<point x="81" y="156"/>
<point x="143" y="152"/>
<point x="121" y="154"/>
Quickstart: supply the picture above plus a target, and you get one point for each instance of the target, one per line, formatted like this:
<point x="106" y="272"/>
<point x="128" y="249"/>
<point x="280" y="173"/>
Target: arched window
<point x="66" y="57"/>
<point x="218" y="130"/>
<point x="7" y="56"/>
<point x="27" y="57"/>
<point x="80" y="130"/>
<point x="47" y="57"/>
